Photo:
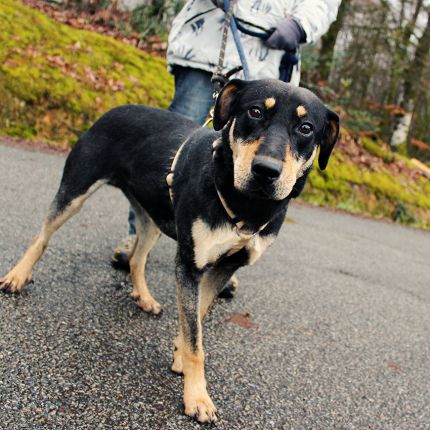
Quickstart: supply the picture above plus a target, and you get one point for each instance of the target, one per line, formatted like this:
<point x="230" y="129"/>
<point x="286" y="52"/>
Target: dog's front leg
<point x="189" y="356"/>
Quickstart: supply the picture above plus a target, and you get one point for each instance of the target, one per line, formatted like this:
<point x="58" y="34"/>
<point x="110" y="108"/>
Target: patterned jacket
<point x="196" y="34"/>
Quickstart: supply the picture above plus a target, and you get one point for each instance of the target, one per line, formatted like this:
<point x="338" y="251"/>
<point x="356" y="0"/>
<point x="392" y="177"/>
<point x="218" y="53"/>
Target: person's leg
<point x="193" y="93"/>
<point x="131" y="222"/>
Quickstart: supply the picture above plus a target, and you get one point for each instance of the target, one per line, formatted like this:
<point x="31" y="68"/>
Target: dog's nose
<point x="266" y="170"/>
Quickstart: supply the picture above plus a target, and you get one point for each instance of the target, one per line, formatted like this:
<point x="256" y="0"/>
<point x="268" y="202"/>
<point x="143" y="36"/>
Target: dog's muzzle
<point x="266" y="171"/>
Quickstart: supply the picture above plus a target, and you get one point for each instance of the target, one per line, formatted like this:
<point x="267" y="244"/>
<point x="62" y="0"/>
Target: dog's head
<point x="274" y="130"/>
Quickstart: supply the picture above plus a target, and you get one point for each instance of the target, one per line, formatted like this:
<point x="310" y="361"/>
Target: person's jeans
<point x="193" y="93"/>
<point x="193" y="99"/>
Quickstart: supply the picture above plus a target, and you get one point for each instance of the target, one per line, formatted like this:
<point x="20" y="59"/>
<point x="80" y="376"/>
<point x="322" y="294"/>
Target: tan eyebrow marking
<point x="301" y="111"/>
<point x="270" y="102"/>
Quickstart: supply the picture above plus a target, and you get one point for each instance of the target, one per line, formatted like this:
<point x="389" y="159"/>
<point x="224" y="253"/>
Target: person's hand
<point x="287" y="35"/>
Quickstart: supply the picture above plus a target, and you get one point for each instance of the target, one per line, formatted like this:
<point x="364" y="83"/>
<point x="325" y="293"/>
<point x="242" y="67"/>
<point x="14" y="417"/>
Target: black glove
<point x="287" y="35"/>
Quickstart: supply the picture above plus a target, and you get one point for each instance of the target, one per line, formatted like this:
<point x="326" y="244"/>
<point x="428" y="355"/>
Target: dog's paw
<point x="201" y="408"/>
<point x="229" y="290"/>
<point x="14" y="282"/>
<point x="234" y="281"/>
<point x="149" y="305"/>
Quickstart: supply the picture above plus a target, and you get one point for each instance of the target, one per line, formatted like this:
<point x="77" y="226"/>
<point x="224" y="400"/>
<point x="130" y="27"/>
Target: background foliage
<point x="55" y="80"/>
<point x="372" y="67"/>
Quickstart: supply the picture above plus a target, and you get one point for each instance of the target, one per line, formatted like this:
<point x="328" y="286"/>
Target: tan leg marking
<point x="197" y="402"/>
<point x="21" y="274"/>
<point x="177" y="365"/>
<point x="207" y="295"/>
<point x="147" y="236"/>
<point x="189" y="359"/>
<point x="134" y="292"/>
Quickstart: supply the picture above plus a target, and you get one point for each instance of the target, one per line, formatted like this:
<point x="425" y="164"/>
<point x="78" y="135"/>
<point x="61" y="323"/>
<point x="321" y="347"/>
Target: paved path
<point x="341" y="307"/>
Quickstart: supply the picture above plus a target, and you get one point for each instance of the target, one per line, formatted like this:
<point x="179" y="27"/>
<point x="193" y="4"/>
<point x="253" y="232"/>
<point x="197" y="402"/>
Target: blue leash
<point x="288" y="61"/>
<point x="239" y="47"/>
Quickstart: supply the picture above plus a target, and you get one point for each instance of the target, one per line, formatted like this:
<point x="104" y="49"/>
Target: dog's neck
<point x="255" y="212"/>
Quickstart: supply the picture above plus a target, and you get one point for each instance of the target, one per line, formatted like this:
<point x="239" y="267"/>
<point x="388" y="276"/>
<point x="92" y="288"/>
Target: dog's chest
<point x="212" y="243"/>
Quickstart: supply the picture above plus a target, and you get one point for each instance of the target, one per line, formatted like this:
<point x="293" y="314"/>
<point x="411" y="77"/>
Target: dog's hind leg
<point x="147" y="235"/>
<point x="67" y="202"/>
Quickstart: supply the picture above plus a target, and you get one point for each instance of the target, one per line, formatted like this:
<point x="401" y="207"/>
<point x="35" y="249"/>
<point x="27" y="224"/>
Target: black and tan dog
<point x="221" y="194"/>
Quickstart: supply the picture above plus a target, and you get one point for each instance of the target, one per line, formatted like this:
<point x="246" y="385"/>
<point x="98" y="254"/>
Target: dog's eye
<point x="255" y="112"/>
<point x="306" y="129"/>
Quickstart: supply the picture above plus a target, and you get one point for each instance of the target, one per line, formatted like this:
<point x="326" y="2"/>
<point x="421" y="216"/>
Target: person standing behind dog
<point x="194" y="49"/>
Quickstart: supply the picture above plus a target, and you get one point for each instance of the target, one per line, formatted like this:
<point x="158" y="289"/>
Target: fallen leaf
<point x="242" y="319"/>
<point x="394" y="366"/>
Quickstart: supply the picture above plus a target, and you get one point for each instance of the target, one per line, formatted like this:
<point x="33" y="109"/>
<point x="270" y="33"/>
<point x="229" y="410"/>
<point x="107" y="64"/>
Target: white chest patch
<point x="210" y="244"/>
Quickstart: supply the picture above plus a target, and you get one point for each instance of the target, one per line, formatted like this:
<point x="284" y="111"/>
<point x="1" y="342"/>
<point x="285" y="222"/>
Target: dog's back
<point x="132" y="147"/>
<point x="134" y="137"/>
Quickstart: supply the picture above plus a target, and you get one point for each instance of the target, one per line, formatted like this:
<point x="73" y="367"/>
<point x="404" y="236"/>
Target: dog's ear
<point x="225" y="103"/>
<point x="330" y="136"/>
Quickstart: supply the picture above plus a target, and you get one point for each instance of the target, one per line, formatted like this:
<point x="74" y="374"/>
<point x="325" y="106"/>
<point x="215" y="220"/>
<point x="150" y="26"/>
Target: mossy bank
<point x="56" y="80"/>
<point x="402" y="195"/>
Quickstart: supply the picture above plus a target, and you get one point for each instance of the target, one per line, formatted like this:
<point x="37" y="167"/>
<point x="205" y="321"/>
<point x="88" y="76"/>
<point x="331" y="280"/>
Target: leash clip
<point x="218" y="81"/>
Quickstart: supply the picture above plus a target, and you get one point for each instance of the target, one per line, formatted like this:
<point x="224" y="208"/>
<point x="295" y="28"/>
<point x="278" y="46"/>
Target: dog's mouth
<point x="264" y="191"/>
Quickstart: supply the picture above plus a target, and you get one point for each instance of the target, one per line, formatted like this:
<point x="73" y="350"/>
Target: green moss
<point x="20" y="130"/>
<point x="375" y="149"/>
<point x="405" y="160"/>
<point x="355" y="188"/>
<point x="402" y="149"/>
<point x="56" y="80"/>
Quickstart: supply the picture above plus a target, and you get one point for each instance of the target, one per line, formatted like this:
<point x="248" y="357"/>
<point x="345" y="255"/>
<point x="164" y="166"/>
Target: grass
<point x="56" y="80"/>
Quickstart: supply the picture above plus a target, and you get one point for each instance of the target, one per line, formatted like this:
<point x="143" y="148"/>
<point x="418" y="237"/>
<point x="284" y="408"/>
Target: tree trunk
<point x="130" y="5"/>
<point x="415" y="71"/>
<point x="329" y="41"/>
<point x="412" y="79"/>
<point x="397" y="73"/>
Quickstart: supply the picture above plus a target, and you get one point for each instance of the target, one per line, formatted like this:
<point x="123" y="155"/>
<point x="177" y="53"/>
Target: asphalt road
<point x="340" y="306"/>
